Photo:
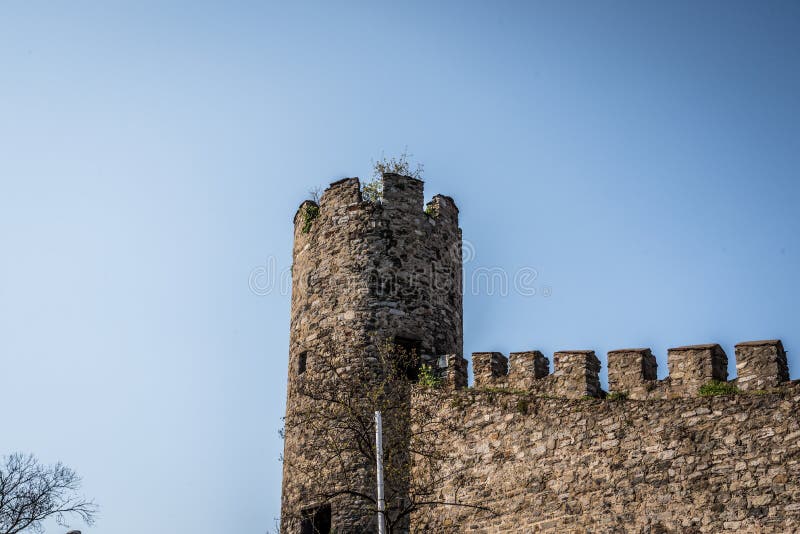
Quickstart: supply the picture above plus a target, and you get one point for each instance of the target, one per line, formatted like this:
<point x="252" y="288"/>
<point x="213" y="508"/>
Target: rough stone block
<point x="576" y="374"/>
<point x="342" y="193"/>
<point x="630" y="370"/>
<point x="525" y="367"/>
<point x="455" y="374"/>
<point x="442" y="208"/>
<point x="489" y="368"/>
<point x="692" y="366"/>
<point x="761" y="364"/>
<point x="402" y="193"/>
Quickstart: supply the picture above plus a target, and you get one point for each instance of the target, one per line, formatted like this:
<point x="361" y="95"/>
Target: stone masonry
<point x="365" y="272"/>
<point x="552" y="452"/>
<point x="693" y="464"/>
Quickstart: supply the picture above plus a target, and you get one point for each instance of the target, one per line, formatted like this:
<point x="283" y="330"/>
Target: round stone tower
<point x="364" y="272"/>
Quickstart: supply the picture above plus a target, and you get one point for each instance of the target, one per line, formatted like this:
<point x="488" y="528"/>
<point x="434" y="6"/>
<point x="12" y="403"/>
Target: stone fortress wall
<point x="555" y="452"/>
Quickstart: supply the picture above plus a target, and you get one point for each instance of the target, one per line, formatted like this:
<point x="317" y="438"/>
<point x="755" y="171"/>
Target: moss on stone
<point x="310" y="212"/>
<point x="715" y="388"/>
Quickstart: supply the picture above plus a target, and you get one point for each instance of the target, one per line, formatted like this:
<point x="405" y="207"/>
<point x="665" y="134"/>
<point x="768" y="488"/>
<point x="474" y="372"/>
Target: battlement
<point x="543" y="459"/>
<point x="341" y="193"/>
<point x="402" y="196"/>
<point x="576" y="372"/>
<point x="761" y="365"/>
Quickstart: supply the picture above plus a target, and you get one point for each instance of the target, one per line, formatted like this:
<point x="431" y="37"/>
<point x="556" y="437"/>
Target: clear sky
<point x="643" y="159"/>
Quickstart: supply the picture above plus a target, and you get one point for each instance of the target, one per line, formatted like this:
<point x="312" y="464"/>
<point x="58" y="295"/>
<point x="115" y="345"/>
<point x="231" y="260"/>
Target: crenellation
<point x="402" y="193"/>
<point x="489" y="369"/>
<point x="693" y="366"/>
<point x="301" y="210"/>
<point x="577" y="374"/>
<point x="342" y="193"/>
<point x="442" y="208"/>
<point x="761" y="365"/>
<point x="526" y="367"/>
<point x="455" y="374"/>
<point x="632" y="372"/>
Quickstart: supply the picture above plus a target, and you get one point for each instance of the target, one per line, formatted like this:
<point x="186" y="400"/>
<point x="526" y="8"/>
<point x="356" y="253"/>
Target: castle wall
<point x="554" y="453"/>
<point x="534" y="451"/>
<point x="726" y="463"/>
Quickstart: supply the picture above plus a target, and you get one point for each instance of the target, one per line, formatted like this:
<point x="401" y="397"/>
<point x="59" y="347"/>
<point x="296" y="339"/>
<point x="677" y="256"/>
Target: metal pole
<point x="379" y="457"/>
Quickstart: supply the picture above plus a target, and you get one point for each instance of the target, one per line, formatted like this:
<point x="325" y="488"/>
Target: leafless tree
<point x="334" y="412"/>
<point x="31" y="493"/>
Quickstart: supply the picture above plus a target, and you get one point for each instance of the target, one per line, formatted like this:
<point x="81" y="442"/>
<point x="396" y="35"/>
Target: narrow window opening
<point x="302" y="360"/>
<point x="316" y="520"/>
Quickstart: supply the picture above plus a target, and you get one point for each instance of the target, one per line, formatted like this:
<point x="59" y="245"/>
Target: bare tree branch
<point x="31" y="493"/>
<point x="332" y="411"/>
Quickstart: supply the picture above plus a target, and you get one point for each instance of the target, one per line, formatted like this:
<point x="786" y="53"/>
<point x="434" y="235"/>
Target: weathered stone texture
<point x="661" y="459"/>
<point x="632" y="371"/>
<point x="691" y="367"/>
<point x="576" y="373"/>
<point x="718" y="464"/>
<point x="526" y="367"/>
<point x="455" y="374"/>
<point x="365" y="273"/>
<point x="761" y="365"/>
<point x="489" y="369"/>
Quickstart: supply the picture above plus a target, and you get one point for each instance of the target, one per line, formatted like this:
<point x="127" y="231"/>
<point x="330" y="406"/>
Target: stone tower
<point x="365" y="271"/>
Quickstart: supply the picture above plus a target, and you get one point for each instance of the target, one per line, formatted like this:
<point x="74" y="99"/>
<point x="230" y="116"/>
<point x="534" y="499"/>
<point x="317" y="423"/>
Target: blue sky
<point x="642" y="157"/>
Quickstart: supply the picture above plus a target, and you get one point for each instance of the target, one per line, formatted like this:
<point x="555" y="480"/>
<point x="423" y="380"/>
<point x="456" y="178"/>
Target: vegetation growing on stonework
<point x="310" y="212"/>
<point x="715" y="387"/>
<point x="617" y="396"/>
<point x="427" y="377"/>
<point x="373" y="190"/>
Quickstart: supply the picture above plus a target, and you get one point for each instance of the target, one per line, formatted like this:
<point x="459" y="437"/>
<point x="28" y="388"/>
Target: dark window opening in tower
<point x="316" y="520"/>
<point x="409" y="351"/>
<point x="302" y="360"/>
